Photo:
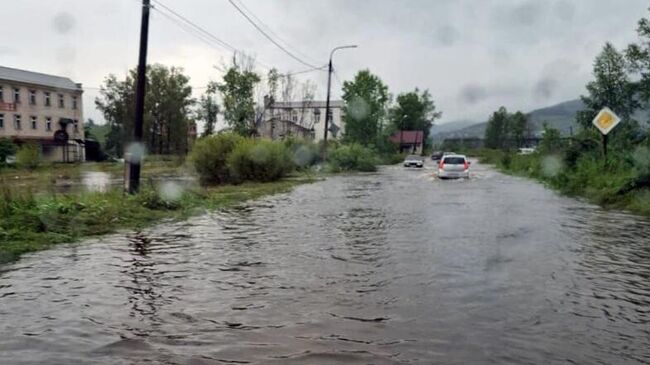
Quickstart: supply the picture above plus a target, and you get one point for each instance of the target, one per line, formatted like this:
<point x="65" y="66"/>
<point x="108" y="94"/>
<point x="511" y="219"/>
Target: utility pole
<point x="327" y="108"/>
<point x="134" y="158"/>
<point x="327" y="100"/>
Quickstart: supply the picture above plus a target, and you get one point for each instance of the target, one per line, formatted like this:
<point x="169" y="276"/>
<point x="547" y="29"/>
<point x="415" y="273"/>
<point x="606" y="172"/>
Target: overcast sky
<point x="473" y="56"/>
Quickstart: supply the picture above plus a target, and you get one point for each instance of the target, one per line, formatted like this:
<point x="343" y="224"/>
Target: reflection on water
<point x="384" y="268"/>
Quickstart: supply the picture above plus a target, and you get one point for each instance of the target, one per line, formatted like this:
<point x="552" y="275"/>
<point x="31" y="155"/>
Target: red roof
<point x="407" y="137"/>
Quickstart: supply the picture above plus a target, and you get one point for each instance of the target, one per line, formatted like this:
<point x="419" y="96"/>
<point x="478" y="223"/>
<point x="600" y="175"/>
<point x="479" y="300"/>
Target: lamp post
<point x="327" y="101"/>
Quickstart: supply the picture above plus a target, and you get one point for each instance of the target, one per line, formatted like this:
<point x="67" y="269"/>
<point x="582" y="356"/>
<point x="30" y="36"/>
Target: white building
<point x="301" y="118"/>
<point x="42" y="109"/>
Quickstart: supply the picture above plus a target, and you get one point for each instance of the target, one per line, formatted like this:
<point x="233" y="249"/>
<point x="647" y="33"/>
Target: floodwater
<point x="387" y="268"/>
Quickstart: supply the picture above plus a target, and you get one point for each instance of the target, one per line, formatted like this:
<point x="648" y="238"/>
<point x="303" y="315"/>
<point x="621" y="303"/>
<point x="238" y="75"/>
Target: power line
<point x="198" y="27"/>
<point x="269" y="37"/>
<point x="270" y="31"/>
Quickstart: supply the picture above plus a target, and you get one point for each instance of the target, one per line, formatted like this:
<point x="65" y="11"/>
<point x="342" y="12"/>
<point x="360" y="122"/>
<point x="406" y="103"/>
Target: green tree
<point x="414" y="110"/>
<point x="551" y="140"/>
<point x="167" y="107"/>
<point x="237" y="91"/>
<point x="518" y="123"/>
<point x="208" y="112"/>
<point x="365" y="100"/>
<point x="497" y="130"/>
<point x="611" y="88"/>
<point x="7" y="148"/>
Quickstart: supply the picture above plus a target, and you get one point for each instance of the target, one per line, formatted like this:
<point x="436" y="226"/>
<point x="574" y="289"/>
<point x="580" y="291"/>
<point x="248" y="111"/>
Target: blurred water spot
<point x="447" y="35"/>
<point x="472" y="93"/>
<point x="259" y="154"/>
<point x="564" y="10"/>
<point x="170" y="191"/>
<point x="135" y="152"/>
<point x="551" y="166"/>
<point x="358" y="108"/>
<point x="63" y="22"/>
<point x="303" y="156"/>
<point x="96" y="181"/>
<point x="545" y="87"/>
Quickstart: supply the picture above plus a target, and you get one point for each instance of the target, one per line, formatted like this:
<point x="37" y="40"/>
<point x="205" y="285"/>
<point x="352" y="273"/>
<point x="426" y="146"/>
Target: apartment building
<point x="304" y="119"/>
<point x="43" y="109"/>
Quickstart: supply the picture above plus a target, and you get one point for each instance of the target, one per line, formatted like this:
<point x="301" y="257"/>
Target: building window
<point x="2" y="93"/>
<point x="294" y="116"/>
<point x="48" y="124"/>
<point x="16" y="95"/>
<point x="61" y="101"/>
<point x="75" y="123"/>
<point x="34" y="124"/>
<point x="74" y="102"/>
<point x="2" y="121"/>
<point x="316" y="115"/>
<point x="47" y="99"/>
<point x="32" y="97"/>
<point x="17" y="122"/>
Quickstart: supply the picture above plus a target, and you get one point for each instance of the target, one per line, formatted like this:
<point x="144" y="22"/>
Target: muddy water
<point x="387" y="268"/>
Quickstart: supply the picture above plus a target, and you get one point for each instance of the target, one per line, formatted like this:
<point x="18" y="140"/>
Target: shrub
<point x="28" y="156"/>
<point x="210" y="155"/>
<point x="352" y="157"/>
<point x="259" y="160"/>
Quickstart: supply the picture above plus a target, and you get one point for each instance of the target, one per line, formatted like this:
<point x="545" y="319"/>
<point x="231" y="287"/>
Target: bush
<point x="28" y="156"/>
<point x="259" y="160"/>
<point x="352" y="157"/>
<point x="210" y="157"/>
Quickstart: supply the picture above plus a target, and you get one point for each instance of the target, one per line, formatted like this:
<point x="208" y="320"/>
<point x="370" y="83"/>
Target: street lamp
<point x="327" y="101"/>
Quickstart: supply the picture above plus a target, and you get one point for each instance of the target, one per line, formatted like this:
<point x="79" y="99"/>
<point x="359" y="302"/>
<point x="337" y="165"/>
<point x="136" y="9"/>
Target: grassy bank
<point x="30" y="223"/>
<point x="622" y="182"/>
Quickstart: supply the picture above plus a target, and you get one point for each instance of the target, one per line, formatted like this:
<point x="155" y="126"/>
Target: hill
<point x="560" y="116"/>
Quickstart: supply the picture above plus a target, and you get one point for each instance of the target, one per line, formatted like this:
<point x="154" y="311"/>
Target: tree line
<point x="370" y="116"/>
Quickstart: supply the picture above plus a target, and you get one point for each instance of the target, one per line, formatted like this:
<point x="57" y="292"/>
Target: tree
<point x="237" y="91"/>
<point x="414" y="111"/>
<point x="518" y="123"/>
<point x="611" y="88"/>
<point x="638" y="56"/>
<point x="167" y="106"/>
<point x="551" y="140"/>
<point x="208" y="112"/>
<point x="365" y="100"/>
<point x="496" y="132"/>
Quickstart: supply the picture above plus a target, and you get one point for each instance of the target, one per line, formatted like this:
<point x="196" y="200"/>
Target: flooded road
<point x="387" y="268"/>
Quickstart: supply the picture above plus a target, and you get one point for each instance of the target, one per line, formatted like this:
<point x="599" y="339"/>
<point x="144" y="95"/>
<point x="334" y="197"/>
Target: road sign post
<point x="605" y="121"/>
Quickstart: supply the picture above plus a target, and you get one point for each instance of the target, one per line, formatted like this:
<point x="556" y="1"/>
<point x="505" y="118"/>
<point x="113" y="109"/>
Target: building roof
<point x="36" y="78"/>
<point x="306" y="104"/>
<point x="407" y="137"/>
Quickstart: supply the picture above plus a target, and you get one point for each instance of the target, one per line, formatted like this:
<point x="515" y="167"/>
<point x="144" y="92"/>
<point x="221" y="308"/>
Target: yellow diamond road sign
<point x="606" y="120"/>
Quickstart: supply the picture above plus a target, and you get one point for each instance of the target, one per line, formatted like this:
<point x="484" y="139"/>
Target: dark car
<point x="436" y="156"/>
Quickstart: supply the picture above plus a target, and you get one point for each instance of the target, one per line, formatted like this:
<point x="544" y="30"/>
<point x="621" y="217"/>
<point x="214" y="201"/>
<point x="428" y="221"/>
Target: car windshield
<point x="275" y="182"/>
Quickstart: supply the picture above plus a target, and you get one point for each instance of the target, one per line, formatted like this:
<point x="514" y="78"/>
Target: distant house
<point x="409" y="141"/>
<point x="42" y="109"/>
<point x="304" y="119"/>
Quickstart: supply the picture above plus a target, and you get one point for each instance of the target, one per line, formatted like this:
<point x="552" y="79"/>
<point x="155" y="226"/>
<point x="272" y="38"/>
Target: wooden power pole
<point x="134" y="157"/>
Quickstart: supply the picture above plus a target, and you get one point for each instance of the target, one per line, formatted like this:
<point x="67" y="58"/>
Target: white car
<point x="453" y="167"/>
<point x="414" y="161"/>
